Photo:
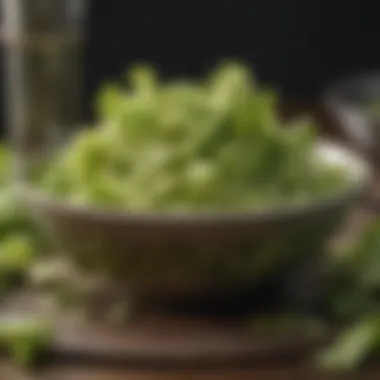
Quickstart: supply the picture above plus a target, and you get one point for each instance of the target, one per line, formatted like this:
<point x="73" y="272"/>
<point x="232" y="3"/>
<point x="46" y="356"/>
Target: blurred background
<point x="299" y="46"/>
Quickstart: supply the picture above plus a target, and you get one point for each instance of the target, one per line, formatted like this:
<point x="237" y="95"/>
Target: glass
<point x="43" y="42"/>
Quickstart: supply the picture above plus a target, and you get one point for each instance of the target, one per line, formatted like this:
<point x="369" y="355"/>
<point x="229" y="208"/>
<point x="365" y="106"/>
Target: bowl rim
<point x="37" y="198"/>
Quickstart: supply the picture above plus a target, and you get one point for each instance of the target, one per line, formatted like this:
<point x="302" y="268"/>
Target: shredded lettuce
<point x="213" y="144"/>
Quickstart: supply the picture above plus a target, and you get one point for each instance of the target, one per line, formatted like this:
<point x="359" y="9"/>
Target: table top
<point x="81" y="372"/>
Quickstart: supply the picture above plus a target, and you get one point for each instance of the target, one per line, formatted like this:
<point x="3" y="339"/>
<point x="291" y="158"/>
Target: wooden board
<point x="95" y="372"/>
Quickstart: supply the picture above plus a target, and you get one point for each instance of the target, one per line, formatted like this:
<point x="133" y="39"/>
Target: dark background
<point x="297" y="45"/>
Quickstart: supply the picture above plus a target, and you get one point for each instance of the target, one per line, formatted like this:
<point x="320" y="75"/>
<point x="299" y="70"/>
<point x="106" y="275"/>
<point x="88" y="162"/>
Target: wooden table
<point x="77" y="372"/>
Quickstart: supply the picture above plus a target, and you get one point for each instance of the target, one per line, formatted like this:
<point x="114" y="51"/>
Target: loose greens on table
<point x="24" y="337"/>
<point x="20" y="241"/>
<point x="20" y="246"/>
<point x="354" y="302"/>
<point x="215" y="144"/>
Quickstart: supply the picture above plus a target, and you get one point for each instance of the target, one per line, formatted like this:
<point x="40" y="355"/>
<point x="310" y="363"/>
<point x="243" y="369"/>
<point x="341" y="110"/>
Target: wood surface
<point x="81" y="372"/>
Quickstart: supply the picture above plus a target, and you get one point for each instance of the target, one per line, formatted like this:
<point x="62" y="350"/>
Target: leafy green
<point x="20" y="240"/>
<point x="353" y="346"/>
<point x="25" y="337"/>
<point x="190" y="145"/>
<point x="354" y="302"/>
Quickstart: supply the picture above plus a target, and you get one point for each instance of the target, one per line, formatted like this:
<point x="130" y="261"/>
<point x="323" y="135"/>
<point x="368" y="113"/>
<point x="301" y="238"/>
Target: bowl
<point x="178" y="256"/>
<point x="348" y="101"/>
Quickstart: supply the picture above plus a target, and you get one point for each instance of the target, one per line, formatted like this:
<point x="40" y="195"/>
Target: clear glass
<point x="43" y="41"/>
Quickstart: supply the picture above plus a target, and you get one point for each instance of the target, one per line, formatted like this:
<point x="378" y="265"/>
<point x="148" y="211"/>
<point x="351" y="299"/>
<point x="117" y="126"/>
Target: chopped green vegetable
<point x="25" y="337"/>
<point x="216" y="144"/>
<point x="353" y="346"/>
<point x="16" y="253"/>
<point x="20" y="241"/>
<point x="353" y="299"/>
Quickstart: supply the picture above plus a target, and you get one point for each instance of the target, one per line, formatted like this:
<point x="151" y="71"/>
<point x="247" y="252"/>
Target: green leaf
<point x="25" y="337"/>
<point x="225" y="120"/>
<point x="351" y="347"/>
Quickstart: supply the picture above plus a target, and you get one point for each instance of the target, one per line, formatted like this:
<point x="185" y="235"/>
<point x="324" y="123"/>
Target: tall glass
<point x="43" y="41"/>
